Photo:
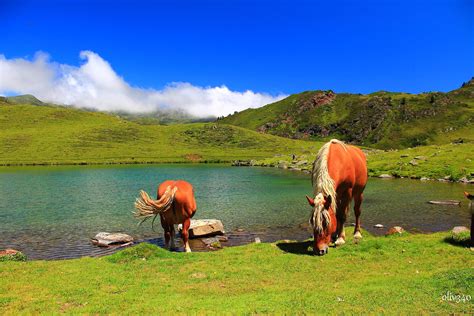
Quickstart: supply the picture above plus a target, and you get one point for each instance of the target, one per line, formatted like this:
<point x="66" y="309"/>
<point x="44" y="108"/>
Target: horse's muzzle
<point x="321" y="252"/>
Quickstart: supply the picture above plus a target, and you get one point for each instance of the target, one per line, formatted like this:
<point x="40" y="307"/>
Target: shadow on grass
<point x="459" y="242"/>
<point x="297" y="247"/>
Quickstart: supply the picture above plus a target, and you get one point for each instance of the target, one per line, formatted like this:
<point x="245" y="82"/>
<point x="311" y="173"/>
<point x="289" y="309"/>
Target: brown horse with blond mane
<point x="339" y="175"/>
<point x="175" y="204"/>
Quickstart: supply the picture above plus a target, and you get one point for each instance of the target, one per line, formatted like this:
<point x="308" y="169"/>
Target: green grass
<point x="32" y="135"/>
<point x="406" y="274"/>
<point x="58" y="135"/>
<point x="435" y="162"/>
<point x="452" y="160"/>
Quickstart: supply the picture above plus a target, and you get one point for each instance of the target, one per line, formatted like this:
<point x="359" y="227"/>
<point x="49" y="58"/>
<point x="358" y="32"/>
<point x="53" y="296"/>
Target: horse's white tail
<point x="147" y="207"/>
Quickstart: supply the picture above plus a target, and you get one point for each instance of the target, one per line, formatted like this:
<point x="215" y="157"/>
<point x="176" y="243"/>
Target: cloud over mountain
<point x="94" y="84"/>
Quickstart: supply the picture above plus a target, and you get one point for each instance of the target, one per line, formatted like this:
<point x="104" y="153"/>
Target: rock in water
<point x="378" y="226"/>
<point x="386" y="176"/>
<point x="445" y="202"/>
<point x="104" y="239"/>
<point x="395" y="230"/>
<point x="205" y="227"/>
<point x="8" y="252"/>
<point x="212" y="242"/>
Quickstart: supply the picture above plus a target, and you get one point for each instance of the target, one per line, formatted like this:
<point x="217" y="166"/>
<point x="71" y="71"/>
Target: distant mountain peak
<point x="24" y="99"/>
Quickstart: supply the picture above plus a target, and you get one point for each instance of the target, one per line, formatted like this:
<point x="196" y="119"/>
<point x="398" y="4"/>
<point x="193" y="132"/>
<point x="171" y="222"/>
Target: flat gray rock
<point x="445" y="202"/>
<point x="104" y="239"/>
<point x="205" y="227"/>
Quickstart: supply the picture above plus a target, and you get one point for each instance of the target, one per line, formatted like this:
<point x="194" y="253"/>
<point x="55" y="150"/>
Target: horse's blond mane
<point x="323" y="183"/>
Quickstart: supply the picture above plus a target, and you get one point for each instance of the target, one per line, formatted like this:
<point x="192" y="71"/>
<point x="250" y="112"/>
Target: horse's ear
<point x="310" y="201"/>
<point x="327" y="202"/>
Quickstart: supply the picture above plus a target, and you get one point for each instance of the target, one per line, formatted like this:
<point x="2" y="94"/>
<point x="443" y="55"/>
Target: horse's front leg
<point x="185" y="234"/>
<point x="341" y="235"/>
<point x="357" y="210"/>
<point x="341" y="215"/>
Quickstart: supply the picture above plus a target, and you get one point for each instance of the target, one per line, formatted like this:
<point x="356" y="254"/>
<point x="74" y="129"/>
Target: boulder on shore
<point x="104" y="239"/>
<point x="385" y="176"/>
<point x="204" y="227"/>
<point x="11" y="255"/>
<point x="395" y="230"/>
<point x="459" y="230"/>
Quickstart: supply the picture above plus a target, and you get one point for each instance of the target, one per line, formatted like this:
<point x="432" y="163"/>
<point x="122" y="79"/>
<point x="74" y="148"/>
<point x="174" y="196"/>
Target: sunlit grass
<point x="400" y="274"/>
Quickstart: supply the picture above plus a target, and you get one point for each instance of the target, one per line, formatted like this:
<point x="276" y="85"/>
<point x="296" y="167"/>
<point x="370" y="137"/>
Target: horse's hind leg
<point x="169" y="234"/>
<point x="172" y="245"/>
<point x="185" y="234"/>
<point x="358" y="198"/>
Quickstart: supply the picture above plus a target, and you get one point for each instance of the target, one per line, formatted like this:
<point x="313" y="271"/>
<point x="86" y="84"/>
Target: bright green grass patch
<point x="19" y="256"/>
<point x="407" y="274"/>
<point x="58" y="135"/>
<point x="454" y="161"/>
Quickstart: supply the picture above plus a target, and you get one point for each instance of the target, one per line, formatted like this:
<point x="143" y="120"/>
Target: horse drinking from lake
<point x="339" y="175"/>
<point x="175" y="204"/>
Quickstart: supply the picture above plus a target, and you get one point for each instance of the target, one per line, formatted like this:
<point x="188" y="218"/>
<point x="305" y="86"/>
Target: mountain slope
<point x="23" y="99"/>
<point x="47" y="134"/>
<point x="382" y="119"/>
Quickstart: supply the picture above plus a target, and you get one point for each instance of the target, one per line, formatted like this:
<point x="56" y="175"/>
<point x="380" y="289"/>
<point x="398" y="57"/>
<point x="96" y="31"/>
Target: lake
<point x="52" y="212"/>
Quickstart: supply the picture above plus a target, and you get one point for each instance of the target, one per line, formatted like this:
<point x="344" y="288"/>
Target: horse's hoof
<point x="357" y="237"/>
<point x="339" y="242"/>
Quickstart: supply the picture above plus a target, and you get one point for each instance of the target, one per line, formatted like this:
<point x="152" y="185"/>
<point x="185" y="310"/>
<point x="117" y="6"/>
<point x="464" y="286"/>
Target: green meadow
<point x="40" y="134"/>
<point x="32" y="134"/>
<point x="398" y="274"/>
<point x="408" y="274"/>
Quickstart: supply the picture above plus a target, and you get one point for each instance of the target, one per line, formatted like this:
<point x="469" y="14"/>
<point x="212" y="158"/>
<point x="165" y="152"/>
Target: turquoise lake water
<point x="51" y="212"/>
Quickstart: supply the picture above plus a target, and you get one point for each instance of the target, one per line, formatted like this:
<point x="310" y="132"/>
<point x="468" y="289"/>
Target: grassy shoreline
<point x="48" y="135"/>
<point x="407" y="274"/>
<point x="450" y="162"/>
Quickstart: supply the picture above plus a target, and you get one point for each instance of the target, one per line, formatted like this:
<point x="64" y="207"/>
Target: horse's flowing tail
<point x="145" y="207"/>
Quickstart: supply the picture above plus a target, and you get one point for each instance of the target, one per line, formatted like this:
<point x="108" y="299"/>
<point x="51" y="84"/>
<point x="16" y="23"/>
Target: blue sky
<point x="275" y="47"/>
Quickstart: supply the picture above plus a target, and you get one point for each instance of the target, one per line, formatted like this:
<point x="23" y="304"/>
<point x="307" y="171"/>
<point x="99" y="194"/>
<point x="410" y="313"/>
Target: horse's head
<point x="323" y="222"/>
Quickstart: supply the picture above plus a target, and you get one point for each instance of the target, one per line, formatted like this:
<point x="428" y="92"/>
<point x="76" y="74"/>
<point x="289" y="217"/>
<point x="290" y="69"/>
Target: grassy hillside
<point x="382" y="119"/>
<point x="48" y="134"/>
<point x="408" y="274"/>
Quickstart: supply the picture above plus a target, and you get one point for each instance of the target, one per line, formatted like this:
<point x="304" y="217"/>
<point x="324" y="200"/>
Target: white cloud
<point x="94" y="84"/>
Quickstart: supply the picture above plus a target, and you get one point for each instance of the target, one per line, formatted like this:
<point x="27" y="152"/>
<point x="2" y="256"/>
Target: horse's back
<point x="360" y="166"/>
<point x="184" y="195"/>
<point x="347" y="164"/>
